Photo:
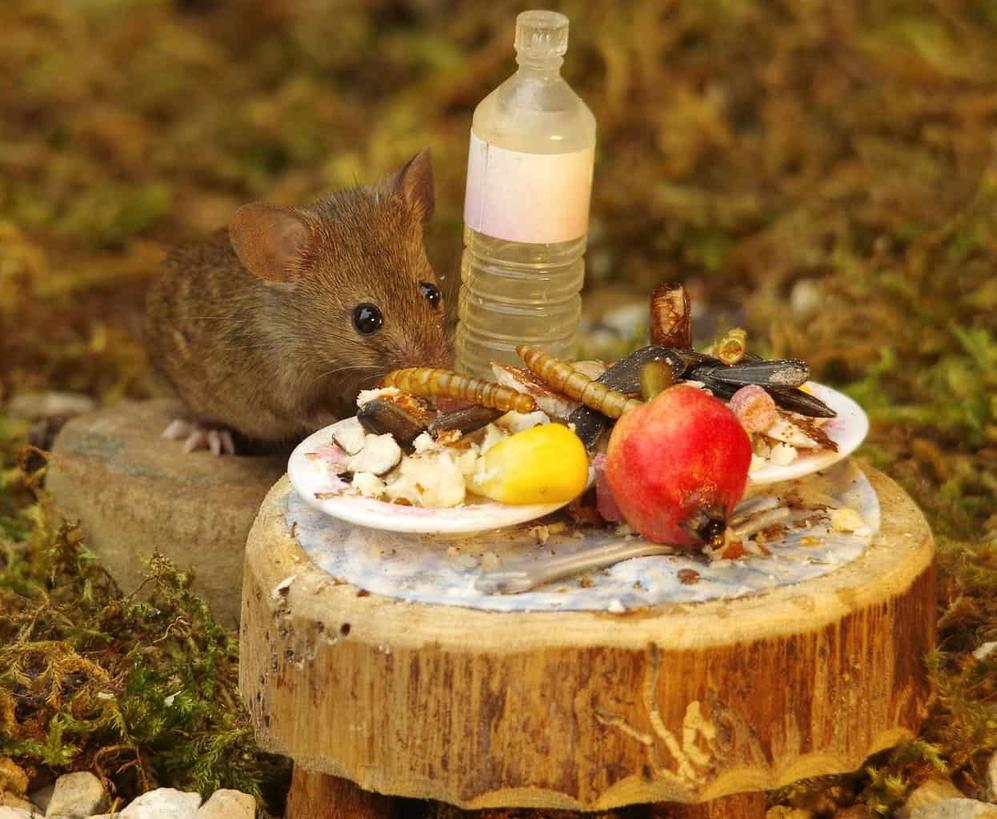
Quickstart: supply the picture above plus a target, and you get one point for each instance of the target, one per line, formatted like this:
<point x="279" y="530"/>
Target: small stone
<point x="76" y="796"/>
<point x="33" y="406"/>
<point x="9" y="800"/>
<point x="7" y="812"/>
<point x="624" y="320"/>
<point x="163" y="803"/>
<point x="804" y="299"/>
<point x="961" y="808"/>
<point x="984" y="650"/>
<point x="928" y="793"/>
<point x="228" y="804"/>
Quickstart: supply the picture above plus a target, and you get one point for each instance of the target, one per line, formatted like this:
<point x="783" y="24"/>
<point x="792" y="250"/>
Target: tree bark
<point x="318" y="796"/>
<point x="588" y="710"/>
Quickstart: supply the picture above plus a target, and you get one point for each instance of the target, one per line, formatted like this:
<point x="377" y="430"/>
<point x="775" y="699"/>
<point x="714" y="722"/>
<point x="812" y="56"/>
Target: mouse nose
<point x="439" y="354"/>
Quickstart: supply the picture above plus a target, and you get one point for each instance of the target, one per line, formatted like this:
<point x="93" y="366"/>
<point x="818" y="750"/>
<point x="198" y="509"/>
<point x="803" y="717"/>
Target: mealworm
<point x="448" y="384"/>
<point x="555" y="373"/>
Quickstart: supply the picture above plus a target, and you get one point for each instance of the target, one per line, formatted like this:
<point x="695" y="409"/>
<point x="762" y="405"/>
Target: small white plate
<point x="310" y="470"/>
<point x="311" y="474"/>
<point x="848" y="429"/>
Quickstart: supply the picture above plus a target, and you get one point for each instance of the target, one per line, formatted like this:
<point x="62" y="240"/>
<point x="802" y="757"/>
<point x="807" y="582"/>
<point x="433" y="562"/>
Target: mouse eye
<point x="430" y="292"/>
<point x="367" y="318"/>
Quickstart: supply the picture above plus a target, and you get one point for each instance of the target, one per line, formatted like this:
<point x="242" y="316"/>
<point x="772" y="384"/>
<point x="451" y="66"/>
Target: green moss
<point x="744" y="146"/>
<point x="140" y="689"/>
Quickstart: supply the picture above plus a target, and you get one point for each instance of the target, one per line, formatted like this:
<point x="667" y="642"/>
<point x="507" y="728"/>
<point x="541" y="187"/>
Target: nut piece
<point x="380" y="454"/>
<point x="349" y="434"/>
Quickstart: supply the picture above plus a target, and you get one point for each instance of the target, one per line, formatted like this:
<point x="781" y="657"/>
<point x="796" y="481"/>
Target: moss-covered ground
<point x="825" y="169"/>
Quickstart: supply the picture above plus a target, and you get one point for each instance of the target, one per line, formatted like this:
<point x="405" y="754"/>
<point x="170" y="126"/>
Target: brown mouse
<point x="271" y="327"/>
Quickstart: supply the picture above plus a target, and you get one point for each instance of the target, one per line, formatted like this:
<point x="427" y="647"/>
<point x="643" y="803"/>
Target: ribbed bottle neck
<point x="548" y="68"/>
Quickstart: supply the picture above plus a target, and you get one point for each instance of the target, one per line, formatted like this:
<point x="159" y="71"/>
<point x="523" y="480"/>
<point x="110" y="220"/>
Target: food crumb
<point x="688" y="576"/>
<point x="732" y="550"/>
<point x="846" y="520"/>
<point x="541" y="534"/>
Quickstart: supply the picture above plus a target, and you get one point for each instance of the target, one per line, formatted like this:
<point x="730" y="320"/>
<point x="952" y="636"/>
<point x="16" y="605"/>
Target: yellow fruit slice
<point x="545" y="464"/>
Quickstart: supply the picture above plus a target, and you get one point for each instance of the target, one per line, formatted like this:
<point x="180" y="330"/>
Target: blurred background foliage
<point x="824" y="170"/>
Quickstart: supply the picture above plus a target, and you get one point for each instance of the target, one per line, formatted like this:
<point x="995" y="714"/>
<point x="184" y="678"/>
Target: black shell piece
<point x="588" y="425"/>
<point x="381" y="416"/>
<point x="787" y="372"/>
<point x="624" y="375"/>
<point x="466" y="419"/>
<point x="789" y="398"/>
<point x="794" y="400"/>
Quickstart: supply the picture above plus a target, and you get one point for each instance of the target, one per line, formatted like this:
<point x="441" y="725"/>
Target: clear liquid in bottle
<point x="526" y="209"/>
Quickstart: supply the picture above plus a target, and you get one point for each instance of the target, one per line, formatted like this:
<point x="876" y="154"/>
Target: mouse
<point x="268" y="330"/>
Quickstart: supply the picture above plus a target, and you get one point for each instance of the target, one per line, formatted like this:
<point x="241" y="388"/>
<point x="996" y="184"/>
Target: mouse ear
<point x="270" y="241"/>
<point x="415" y="183"/>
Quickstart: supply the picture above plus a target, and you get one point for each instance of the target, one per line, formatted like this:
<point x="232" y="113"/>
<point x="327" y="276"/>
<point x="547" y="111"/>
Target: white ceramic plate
<point x="310" y="472"/>
<point x="847" y="430"/>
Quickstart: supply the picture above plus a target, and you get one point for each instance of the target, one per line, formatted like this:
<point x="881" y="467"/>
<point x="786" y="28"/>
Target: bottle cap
<point x="541" y="34"/>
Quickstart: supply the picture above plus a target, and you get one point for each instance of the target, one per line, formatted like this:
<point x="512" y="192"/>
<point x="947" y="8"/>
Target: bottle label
<point x="533" y="198"/>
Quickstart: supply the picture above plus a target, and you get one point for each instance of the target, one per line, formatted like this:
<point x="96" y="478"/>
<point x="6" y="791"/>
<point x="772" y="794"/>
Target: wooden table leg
<point x="320" y="796"/>
<point x="736" y="806"/>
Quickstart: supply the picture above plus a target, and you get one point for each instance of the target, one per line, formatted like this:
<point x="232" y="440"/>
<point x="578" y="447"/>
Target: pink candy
<point x="754" y="408"/>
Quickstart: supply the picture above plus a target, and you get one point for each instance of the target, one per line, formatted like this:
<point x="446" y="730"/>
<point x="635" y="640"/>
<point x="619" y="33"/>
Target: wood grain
<point x="585" y="710"/>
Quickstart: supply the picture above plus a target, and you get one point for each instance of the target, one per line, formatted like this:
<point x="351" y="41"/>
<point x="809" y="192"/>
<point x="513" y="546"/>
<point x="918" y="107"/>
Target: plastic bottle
<point x="526" y="209"/>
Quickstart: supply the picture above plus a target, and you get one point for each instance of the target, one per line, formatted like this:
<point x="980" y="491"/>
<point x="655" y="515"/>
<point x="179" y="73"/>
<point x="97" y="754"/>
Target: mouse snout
<point x="436" y="354"/>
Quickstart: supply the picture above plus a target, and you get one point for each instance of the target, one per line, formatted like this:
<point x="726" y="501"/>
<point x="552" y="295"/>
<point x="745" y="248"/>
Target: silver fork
<point x="749" y="516"/>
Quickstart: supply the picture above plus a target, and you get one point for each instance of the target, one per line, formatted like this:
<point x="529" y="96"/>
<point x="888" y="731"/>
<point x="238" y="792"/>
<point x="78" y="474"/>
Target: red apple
<point x="677" y="466"/>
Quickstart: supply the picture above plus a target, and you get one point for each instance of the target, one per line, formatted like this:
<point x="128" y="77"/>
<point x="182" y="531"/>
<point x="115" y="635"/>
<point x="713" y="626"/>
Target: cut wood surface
<point x="588" y="710"/>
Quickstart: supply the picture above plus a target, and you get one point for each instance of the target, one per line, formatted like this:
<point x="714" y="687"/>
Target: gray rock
<point x="9" y="800"/>
<point x="163" y="803"/>
<point x="929" y="792"/>
<point x="228" y="804"/>
<point x="76" y="796"/>
<point x="961" y="808"/>
<point x="134" y="491"/>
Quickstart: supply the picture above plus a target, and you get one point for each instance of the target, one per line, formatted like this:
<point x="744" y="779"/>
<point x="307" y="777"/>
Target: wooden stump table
<point x="696" y="707"/>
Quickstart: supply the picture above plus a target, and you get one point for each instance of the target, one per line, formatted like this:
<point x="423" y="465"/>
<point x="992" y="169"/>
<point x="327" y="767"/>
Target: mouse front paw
<point x="216" y="440"/>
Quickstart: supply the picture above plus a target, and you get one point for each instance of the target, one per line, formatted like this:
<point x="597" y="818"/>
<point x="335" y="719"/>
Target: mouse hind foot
<point x="195" y="436"/>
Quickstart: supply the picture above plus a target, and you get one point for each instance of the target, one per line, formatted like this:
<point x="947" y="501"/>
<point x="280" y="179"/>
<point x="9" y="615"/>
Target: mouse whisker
<point x="372" y="369"/>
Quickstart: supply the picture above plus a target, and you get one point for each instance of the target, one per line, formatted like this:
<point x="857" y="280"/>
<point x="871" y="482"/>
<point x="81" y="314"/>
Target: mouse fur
<point x="254" y="328"/>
